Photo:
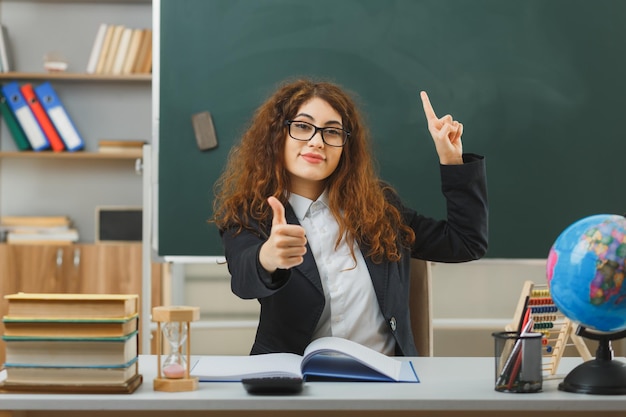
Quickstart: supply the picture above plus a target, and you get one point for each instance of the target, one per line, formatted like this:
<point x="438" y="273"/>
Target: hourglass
<point x="173" y="327"/>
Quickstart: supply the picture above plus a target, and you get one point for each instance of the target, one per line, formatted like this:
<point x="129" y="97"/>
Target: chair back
<point x="420" y="306"/>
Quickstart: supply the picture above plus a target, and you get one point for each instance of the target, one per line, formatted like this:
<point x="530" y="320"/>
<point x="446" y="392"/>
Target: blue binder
<point x="59" y="116"/>
<point x="24" y="115"/>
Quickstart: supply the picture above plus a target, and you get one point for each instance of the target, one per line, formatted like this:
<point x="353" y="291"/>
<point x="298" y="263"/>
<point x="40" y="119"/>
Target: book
<point x="96" y="48"/>
<point x="25" y="116"/>
<point x="144" y="58"/>
<point x="326" y="358"/>
<point x="127" y="387"/>
<point x="62" y="327"/>
<point x="122" y="50"/>
<point x="39" y="236"/>
<point x="60" y="118"/>
<point x="138" y="152"/>
<point x="33" y="229"/>
<point x="19" y="137"/>
<point x="133" y="51"/>
<point x="5" y="66"/>
<point x="104" y="50"/>
<point x="35" y="221"/>
<point x="112" y="51"/>
<point x="121" y="142"/>
<point x="70" y="352"/>
<point x="146" y="67"/>
<point x="33" y="305"/>
<point x="141" y="52"/>
<point x="126" y="146"/>
<point x="56" y="143"/>
<point x="70" y="375"/>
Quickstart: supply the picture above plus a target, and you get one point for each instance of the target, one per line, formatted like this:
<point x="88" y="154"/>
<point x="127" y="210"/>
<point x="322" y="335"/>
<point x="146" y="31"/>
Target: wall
<point x="470" y="301"/>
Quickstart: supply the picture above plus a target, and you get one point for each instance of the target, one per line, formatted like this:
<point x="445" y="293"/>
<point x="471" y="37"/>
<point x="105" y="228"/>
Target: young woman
<point x="324" y="245"/>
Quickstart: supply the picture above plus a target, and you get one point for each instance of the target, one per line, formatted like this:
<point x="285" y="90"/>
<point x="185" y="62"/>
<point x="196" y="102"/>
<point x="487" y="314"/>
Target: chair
<point x="420" y="306"/>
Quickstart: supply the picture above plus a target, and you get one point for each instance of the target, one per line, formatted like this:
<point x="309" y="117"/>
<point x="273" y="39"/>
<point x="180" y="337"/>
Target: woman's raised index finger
<point x="428" y="108"/>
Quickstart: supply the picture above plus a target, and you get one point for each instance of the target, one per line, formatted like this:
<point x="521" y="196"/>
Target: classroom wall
<point x="470" y="301"/>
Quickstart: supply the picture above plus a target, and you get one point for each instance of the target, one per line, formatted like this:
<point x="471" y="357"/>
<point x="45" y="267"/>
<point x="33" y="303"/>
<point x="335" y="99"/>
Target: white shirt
<point x="351" y="310"/>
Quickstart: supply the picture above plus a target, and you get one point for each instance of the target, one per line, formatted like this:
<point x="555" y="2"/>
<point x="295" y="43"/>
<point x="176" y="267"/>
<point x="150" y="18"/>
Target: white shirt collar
<point x="301" y="204"/>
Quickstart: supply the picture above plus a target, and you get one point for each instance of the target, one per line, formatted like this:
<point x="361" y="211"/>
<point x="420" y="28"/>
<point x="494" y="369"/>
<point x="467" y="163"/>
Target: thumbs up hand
<point x="286" y="245"/>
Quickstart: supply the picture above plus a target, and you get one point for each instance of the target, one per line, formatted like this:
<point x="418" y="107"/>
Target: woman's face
<point x="309" y="163"/>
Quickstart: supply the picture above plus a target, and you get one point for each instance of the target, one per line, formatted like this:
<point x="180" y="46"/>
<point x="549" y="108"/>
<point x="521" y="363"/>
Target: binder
<point x="59" y="116"/>
<point x="42" y="118"/>
<point x="25" y="116"/>
<point x="19" y="137"/>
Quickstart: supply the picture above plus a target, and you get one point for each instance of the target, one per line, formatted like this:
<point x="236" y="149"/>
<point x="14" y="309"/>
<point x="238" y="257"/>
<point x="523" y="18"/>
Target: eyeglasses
<point x="332" y="136"/>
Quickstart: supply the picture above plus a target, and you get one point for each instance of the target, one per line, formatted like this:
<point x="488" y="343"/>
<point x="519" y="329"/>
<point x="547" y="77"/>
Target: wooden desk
<point x="449" y="387"/>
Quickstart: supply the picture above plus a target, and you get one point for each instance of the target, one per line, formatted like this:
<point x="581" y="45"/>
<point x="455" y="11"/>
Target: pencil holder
<point x="518" y="362"/>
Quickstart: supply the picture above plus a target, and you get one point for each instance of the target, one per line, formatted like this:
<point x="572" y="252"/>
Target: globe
<point x="585" y="272"/>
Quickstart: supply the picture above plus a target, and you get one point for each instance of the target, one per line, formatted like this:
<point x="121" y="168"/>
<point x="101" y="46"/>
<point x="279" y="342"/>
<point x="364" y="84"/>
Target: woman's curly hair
<point x="256" y="170"/>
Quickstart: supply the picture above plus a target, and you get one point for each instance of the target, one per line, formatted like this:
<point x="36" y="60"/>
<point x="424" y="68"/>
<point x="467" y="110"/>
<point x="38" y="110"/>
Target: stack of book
<point x="37" y="230"/>
<point x="36" y="118"/>
<point x="121" y="50"/>
<point x="71" y="343"/>
<point x="125" y="146"/>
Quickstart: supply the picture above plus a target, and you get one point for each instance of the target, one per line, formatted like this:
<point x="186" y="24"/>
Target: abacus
<point x="557" y="330"/>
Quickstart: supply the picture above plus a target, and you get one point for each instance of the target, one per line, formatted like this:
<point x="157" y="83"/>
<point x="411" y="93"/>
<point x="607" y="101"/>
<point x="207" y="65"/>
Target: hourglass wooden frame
<point x="168" y="314"/>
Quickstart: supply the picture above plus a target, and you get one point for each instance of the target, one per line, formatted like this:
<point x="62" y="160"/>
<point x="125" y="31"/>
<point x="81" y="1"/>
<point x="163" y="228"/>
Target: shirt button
<point x="392" y="323"/>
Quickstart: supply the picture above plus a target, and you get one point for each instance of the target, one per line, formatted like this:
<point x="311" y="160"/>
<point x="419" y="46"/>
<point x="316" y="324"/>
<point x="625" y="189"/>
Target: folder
<point x="19" y="137"/>
<point x="59" y="116"/>
<point x="42" y="118"/>
<point x="25" y="116"/>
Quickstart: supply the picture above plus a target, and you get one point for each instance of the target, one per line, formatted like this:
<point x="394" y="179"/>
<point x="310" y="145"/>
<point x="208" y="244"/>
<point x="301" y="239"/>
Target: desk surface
<point x="447" y="384"/>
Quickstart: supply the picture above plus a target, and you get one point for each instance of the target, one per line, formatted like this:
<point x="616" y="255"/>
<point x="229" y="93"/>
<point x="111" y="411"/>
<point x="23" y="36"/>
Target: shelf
<point x="71" y="155"/>
<point x="73" y="76"/>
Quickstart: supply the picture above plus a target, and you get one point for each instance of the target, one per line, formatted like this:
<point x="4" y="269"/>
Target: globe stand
<point x="602" y="375"/>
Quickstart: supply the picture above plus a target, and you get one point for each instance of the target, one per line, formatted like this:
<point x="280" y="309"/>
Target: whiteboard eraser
<point x="204" y="130"/>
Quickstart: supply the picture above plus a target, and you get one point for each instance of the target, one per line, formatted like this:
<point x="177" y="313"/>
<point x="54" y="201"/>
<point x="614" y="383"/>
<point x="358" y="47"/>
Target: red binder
<point x="56" y="143"/>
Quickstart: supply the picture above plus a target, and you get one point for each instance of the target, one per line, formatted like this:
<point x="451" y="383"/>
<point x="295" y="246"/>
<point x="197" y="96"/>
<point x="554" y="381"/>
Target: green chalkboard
<point x="539" y="85"/>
